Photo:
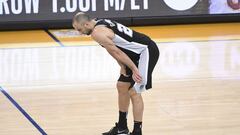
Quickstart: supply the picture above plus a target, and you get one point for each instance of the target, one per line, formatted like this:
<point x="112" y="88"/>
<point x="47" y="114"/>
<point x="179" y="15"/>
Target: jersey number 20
<point x="124" y="29"/>
<point x="121" y="28"/>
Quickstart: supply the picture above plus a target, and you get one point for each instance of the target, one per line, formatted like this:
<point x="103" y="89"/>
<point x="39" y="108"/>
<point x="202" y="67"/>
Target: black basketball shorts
<point x="146" y="62"/>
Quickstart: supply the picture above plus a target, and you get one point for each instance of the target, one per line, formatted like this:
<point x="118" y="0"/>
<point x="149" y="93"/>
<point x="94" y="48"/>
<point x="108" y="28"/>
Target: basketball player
<point x="137" y="56"/>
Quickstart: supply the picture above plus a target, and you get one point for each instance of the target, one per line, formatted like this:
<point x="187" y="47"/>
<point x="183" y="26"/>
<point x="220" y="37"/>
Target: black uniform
<point x="139" y="48"/>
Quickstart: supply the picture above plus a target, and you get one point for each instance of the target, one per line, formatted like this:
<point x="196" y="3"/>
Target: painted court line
<point x="54" y="38"/>
<point x="23" y="111"/>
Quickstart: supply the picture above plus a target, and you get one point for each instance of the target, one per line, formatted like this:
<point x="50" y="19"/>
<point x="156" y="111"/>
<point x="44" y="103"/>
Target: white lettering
<point x="29" y="4"/>
<point x="145" y="4"/>
<point x="86" y="7"/>
<point x="122" y="5"/>
<point x="14" y="7"/>
<point x="94" y="5"/>
<point x="17" y="6"/>
<point x="74" y="5"/>
<point x="134" y="6"/>
<point x="110" y="3"/>
<point x="70" y="8"/>
<point x="4" y="7"/>
<point x="54" y="6"/>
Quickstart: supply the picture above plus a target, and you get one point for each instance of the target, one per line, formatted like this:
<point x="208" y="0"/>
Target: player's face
<point x="82" y="28"/>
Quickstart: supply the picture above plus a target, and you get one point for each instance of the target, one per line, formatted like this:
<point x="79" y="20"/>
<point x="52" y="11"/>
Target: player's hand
<point x="136" y="76"/>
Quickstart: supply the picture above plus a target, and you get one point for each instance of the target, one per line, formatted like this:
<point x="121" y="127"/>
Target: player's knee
<point x="134" y="95"/>
<point x="122" y="87"/>
<point x="136" y="98"/>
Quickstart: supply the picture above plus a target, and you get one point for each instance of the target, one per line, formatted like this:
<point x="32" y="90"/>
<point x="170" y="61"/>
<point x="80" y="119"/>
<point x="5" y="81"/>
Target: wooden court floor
<point x="58" y="83"/>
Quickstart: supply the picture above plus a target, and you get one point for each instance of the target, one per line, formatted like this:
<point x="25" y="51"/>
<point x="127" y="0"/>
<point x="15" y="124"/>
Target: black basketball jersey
<point x="125" y="38"/>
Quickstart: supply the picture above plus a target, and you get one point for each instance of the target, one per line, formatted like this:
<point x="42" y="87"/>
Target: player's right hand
<point x="136" y="76"/>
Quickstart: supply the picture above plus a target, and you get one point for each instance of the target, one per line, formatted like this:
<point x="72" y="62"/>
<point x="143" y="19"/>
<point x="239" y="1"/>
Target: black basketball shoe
<point x="136" y="133"/>
<point x="115" y="131"/>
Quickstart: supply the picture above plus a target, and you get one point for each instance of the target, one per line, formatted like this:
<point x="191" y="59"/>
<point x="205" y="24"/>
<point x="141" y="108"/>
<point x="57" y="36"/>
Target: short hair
<point x="81" y="17"/>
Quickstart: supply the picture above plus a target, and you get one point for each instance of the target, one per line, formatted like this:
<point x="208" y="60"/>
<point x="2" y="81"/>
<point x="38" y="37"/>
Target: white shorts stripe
<point x="143" y="69"/>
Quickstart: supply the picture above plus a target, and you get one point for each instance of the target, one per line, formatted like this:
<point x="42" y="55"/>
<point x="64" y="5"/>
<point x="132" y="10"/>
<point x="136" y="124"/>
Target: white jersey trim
<point x="143" y="69"/>
<point x="131" y="46"/>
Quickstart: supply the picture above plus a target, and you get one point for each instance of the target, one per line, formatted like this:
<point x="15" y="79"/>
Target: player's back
<point x="126" y="38"/>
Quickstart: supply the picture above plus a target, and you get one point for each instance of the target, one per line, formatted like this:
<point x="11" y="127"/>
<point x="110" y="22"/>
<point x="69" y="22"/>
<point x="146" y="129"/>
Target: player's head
<point x="83" y="23"/>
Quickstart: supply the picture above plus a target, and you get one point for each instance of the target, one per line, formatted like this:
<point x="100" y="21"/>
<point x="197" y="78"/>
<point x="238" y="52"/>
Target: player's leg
<point x="135" y="93"/>
<point x="123" y="96"/>
<point x="138" y="108"/>
<point x="147" y="62"/>
<point x="123" y="103"/>
<point x="121" y="128"/>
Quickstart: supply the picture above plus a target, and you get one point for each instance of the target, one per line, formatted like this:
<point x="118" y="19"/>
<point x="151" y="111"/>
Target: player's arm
<point x="104" y="36"/>
<point x="122" y="68"/>
<point x="120" y="64"/>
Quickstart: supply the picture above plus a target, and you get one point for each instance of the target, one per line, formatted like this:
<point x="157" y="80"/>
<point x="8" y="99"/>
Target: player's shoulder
<point x="101" y="22"/>
<point x="100" y="31"/>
